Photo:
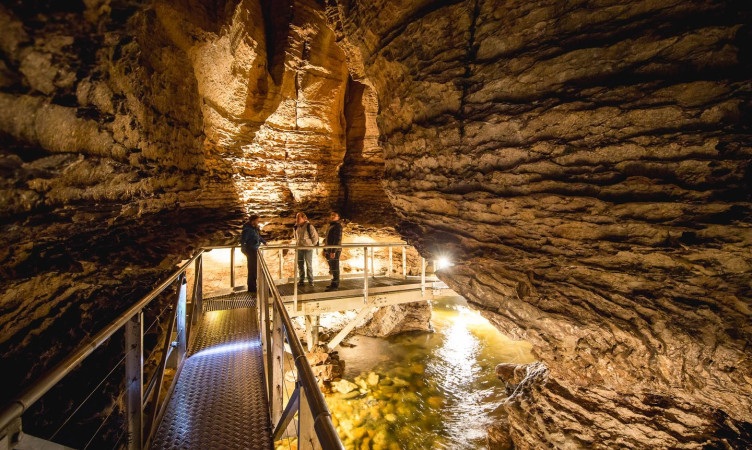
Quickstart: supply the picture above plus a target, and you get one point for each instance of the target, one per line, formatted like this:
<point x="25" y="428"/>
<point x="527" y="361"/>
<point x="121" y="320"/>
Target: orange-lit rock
<point x="586" y="165"/>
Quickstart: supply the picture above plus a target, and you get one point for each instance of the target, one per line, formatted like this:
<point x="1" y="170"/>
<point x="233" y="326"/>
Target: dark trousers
<point x="305" y="264"/>
<point x="334" y="267"/>
<point x="252" y="267"/>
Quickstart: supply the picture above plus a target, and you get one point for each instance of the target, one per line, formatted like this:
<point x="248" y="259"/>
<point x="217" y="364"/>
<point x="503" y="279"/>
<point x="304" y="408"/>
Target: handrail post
<point x="309" y="332"/>
<point x="180" y="325"/>
<point x="373" y="267"/>
<point x="261" y="293"/>
<point x="295" y="281"/>
<point x="278" y="368"/>
<point x="391" y="265"/>
<point x="266" y="299"/>
<point x="198" y="298"/>
<point x="306" y="433"/>
<point x="281" y="264"/>
<point x="134" y="380"/>
<point x="365" y="274"/>
<point x="404" y="262"/>
<point x="232" y="268"/>
<point x="422" y="277"/>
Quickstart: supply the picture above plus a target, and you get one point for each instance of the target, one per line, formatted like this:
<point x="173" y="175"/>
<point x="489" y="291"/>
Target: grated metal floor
<point x="220" y="400"/>
<point x="230" y="301"/>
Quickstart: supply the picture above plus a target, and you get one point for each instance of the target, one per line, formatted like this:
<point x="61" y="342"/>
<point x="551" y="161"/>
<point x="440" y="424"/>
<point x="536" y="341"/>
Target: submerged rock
<point x="344" y="386"/>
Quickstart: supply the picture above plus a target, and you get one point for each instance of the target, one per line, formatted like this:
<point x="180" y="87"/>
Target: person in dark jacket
<point x="250" y="240"/>
<point x="333" y="237"/>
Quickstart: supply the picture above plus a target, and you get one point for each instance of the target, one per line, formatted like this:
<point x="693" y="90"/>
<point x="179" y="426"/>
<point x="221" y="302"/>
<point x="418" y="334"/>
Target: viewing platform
<point x="216" y="377"/>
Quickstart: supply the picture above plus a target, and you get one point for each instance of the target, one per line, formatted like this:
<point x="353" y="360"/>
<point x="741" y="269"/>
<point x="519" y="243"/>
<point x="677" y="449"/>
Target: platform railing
<point x="368" y="259"/>
<point x="304" y="409"/>
<point x="143" y="408"/>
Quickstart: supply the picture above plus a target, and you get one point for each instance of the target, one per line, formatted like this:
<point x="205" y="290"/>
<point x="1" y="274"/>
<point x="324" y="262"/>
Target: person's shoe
<point x="301" y="283"/>
<point x="310" y="283"/>
<point x="332" y="287"/>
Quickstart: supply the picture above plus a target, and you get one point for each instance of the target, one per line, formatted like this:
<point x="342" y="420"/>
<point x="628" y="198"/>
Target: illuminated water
<point x="436" y="390"/>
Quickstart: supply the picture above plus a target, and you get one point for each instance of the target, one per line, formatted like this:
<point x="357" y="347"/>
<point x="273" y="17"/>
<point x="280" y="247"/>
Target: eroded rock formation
<point x="587" y="167"/>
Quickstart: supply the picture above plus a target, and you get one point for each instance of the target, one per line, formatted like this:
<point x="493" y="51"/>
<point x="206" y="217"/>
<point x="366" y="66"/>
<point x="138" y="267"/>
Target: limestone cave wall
<point x="132" y="132"/>
<point x="586" y="166"/>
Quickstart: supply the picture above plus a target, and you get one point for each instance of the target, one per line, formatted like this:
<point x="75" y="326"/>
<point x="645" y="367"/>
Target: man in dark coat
<point x="250" y="240"/>
<point x="333" y="237"/>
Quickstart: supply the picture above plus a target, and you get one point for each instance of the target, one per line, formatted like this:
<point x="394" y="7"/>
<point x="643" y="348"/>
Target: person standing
<point x="333" y="237"/>
<point x="250" y="240"/>
<point x="306" y="235"/>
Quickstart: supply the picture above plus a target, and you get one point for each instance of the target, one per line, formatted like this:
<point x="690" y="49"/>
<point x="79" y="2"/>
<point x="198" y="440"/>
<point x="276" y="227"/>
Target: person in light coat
<point x="306" y="235"/>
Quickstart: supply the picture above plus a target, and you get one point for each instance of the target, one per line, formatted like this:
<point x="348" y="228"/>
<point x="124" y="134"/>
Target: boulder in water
<point x="344" y="387"/>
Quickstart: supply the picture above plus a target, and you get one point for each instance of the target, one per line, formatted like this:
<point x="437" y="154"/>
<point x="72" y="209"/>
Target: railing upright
<point x="365" y="274"/>
<point x="134" y="380"/>
<point x="373" y="266"/>
<point x="423" y="277"/>
<point x="295" y="280"/>
<point x="278" y="353"/>
<point x="404" y="262"/>
<point x="232" y="268"/>
<point x="197" y="307"/>
<point x="281" y="264"/>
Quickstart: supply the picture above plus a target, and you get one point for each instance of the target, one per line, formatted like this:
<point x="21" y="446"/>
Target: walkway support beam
<point x="348" y="328"/>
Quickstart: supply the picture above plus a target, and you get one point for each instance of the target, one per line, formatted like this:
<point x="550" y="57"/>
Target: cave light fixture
<point x="443" y="262"/>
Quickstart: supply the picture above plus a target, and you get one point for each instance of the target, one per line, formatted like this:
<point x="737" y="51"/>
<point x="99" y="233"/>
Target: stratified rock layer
<point x="586" y="165"/>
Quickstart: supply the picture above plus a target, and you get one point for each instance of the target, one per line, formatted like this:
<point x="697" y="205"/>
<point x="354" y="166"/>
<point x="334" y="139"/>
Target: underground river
<point x="426" y="390"/>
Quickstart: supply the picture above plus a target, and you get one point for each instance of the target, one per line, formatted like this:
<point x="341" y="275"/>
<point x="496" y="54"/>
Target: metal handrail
<point x="30" y="395"/>
<point x="322" y="418"/>
<point x="347" y="245"/>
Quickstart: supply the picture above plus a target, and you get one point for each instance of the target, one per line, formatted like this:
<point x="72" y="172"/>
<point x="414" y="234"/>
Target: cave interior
<point x="585" y="164"/>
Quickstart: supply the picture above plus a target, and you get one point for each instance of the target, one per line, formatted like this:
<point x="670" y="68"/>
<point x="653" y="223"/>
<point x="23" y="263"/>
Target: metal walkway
<point x="220" y="399"/>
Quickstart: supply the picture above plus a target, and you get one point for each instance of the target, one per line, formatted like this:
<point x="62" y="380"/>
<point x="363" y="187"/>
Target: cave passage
<point x="583" y="170"/>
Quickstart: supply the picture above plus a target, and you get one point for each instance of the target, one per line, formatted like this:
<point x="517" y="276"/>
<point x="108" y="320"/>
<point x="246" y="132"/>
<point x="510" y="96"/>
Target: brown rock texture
<point x="133" y="132"/>
<point x="396" y="319"/>
<point x="586" y="166"/>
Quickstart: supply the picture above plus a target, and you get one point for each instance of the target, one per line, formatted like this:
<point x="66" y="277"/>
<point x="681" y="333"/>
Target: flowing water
<point x="426" y="390"/>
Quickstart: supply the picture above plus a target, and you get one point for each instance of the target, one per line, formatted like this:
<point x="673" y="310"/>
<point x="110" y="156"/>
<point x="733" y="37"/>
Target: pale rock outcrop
<point x="396" y="319"/>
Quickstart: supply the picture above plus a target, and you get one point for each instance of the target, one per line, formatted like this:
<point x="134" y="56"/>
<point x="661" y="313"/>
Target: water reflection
<point x="435" y="390"/>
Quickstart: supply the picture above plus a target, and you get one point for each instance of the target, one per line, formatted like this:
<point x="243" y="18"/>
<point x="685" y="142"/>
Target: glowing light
<point x="443" y="263"/>
<point x="228" y="348"/>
